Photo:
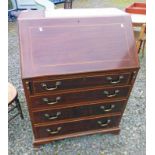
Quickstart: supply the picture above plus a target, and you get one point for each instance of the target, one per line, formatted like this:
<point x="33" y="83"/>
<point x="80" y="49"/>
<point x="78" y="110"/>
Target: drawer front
<point x="78" y="126"/>
<point x="82" y="96"/>
<point x="79" y="111"/>
<point x="63" y="84"/>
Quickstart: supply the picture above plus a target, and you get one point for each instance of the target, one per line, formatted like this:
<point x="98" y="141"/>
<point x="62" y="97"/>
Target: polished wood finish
<point x="90" y="81"/>
<point x="77" y="71"/>
<point x="91" y="45"/>
<point x="113" y="130"/>
<point x="79" y="96"/>
<point x="77" y="126"/>
<point x="102" y="107"/>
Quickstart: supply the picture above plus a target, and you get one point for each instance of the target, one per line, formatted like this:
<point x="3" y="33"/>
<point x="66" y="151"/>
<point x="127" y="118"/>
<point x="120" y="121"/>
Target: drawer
<point x="80" y="82"/>
<point x="77" y="126"/>
<point x="78" y="111"/>
<point x="81" y="96"/>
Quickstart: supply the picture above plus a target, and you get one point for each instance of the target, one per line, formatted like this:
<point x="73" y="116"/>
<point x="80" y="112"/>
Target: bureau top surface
<point x="76" y="43"/>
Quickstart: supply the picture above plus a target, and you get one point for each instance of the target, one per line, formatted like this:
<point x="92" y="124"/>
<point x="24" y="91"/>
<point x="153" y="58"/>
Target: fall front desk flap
<point x="75" y="41"/>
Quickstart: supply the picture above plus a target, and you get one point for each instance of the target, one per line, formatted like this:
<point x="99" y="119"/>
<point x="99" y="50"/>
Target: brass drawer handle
<point x="116" y="92"/>
<point x="104" y="124"/>
<point x="52" y="117"/>
<point x="109" y="78"/>
<point x="109" y="109"/>
<point x="44" y="85"/>
<point x="54" y="132"/>
<point x="46" y="100"/>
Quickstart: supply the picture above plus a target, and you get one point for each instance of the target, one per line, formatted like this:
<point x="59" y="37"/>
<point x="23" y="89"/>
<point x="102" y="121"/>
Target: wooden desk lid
<point x="68" y="45"/>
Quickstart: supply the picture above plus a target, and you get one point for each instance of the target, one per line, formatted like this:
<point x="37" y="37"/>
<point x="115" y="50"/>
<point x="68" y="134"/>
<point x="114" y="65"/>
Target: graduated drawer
<point x="52" y="85"/>
<point x="78" y="111"/>
<point x="81" y="96"/>
<point x="77" y="126"/>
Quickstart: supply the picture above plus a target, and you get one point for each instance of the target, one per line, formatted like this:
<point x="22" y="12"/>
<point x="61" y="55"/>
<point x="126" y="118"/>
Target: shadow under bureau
<point x="77" y="70"/>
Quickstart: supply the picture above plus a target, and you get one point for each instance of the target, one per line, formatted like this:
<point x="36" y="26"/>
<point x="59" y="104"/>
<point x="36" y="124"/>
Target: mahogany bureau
<point x="78" y="69"/>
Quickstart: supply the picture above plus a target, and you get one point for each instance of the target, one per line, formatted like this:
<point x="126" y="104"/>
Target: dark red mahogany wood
<point x="78" y="70"/>
<point x="77" y="126"/>
<point x="75" y="45"/>
<point x="51" y="115"/>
